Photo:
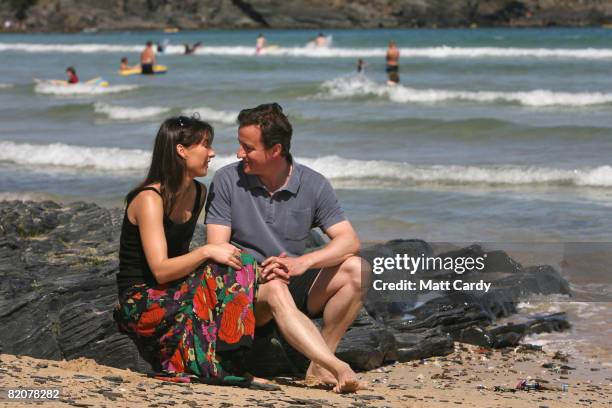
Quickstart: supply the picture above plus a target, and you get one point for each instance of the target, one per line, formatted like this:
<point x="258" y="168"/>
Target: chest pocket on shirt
<point x="298" y="225"/>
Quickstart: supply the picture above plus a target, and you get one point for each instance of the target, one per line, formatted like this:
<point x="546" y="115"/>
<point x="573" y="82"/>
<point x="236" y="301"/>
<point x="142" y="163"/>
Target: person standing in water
<point x="147" y="59"/>
<point x="361" y="66"/>
<point x="260" y="43"/>
<point x="393" y="55"/>
<point x="321" y="40"/>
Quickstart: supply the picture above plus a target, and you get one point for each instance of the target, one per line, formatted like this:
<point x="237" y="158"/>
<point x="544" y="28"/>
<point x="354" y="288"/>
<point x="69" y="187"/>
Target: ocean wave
<point x="74" y="157"/>
<point x="213" y="115"/>
<point x="129" y="113"/>
<point x="351" y="173"/>
<point x="398" y="173"/>
<point x="358" y="86"/>
<point x="439" y="52"/>
<point x="47" y="88"/>
<point x="6" y="86"/>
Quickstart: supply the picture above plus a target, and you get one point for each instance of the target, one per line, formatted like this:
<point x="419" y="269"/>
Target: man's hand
<point x="293" y="266"/>
<point x="273" y="270"/>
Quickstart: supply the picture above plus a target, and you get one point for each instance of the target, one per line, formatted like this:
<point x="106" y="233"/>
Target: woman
<point x="188" y="317"/>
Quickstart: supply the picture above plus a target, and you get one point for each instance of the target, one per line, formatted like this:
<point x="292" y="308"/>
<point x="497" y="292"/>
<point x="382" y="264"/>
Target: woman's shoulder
<point x="150" y="191"/>
<point x="144" y="199"/>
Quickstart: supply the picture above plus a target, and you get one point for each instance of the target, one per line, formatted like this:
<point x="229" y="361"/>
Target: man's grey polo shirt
<point x="266" y="226"/>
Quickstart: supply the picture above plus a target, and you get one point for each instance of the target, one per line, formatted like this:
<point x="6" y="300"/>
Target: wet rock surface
<point x="58" y="267"/>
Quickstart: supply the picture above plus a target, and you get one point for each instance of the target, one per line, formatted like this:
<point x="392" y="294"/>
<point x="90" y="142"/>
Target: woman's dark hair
<point x="167" y="167"/>
<point x="71" y="70"/>
<point x="274" y="125"/>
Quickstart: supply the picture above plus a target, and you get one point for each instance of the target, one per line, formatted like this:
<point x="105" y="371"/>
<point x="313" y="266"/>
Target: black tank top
<point x="133" y="266"/>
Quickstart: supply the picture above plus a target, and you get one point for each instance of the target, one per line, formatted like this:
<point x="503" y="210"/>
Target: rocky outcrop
<point x="77" y="15"/>
<point x="57" y="291"/>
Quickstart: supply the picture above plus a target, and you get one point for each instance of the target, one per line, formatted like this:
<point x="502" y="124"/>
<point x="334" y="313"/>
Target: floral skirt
<point x="197" y="327"/>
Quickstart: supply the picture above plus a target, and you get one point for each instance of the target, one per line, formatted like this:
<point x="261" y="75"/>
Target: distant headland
<point x="122" y="15"/>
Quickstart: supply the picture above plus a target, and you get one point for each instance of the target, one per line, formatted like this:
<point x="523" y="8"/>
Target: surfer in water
<point x="72" y="76"/>
<point x="125" y="66"/>
<point x="190" y="49"/>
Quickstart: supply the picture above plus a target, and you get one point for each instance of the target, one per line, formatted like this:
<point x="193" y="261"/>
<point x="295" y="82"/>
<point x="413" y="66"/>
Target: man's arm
<point x="343" y="244"/>
<point x="218" y="234"/>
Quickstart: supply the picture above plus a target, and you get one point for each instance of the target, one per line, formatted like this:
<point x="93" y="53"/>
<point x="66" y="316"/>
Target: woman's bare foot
<point x="260" y="380"/>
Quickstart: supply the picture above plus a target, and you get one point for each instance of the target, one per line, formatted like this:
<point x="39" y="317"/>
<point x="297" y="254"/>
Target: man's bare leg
<point x="337" y="292"/>
<point x="274" y="301"/>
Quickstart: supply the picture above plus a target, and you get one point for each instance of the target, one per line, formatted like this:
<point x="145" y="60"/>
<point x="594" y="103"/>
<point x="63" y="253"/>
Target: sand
<point x="466" y="377"/>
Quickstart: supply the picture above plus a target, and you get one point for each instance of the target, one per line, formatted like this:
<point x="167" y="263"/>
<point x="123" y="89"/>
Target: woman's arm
<point x="149" y="216"/>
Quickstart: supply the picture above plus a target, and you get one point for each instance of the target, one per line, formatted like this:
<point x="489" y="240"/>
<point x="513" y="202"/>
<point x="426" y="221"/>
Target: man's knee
<point x="358" y="272"/>
<point x="276" y="294"/>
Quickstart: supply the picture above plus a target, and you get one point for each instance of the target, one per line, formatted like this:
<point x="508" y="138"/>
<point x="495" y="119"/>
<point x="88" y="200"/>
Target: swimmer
<point x="72" y="76"/>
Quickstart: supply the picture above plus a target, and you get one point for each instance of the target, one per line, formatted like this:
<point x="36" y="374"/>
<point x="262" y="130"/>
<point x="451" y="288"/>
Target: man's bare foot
<point x="317" y="375"/>
<point x="347" y="381"/>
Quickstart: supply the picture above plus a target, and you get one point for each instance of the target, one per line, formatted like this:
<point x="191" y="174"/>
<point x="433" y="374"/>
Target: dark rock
<point x="113" y="378"/>
<point x="427" y="343"/>
<point x="74" y="15"/>
<point x="57" y="291"/>
<point x="511" y="334"/>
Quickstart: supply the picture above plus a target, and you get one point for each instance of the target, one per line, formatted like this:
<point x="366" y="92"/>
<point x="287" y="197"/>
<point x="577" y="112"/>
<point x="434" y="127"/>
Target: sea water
<point x="493" y="135"/>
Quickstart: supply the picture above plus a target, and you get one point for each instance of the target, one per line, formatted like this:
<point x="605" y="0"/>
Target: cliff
<point x="78" y="15"/>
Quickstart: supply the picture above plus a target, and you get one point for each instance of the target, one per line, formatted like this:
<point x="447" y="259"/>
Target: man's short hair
<point x="274" y="125"/>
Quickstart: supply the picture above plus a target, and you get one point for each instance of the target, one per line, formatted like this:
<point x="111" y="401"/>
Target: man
<point x="267" y="205"/>
<point x="321" y="41"/>
<point x="147" y="59"/>
<point x="260" y="43"/>
<point x="392" y="57"/>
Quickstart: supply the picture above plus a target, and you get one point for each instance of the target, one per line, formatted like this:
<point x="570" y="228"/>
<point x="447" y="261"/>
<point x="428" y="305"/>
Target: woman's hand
<point x="225" y="254"/>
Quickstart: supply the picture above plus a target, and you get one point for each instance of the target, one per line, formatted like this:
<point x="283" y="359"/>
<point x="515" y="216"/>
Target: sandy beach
<point x="467" y="377"/>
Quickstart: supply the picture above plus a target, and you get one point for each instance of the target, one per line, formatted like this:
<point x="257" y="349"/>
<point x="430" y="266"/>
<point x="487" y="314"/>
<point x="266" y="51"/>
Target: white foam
<point x="213" y="115"/>
<point x="397" y="173"/>
<point x="76" y="157"/>
<point x="48" y="88"/>
<point x="129" y="113"/>
<point x="352" y="173"/>
<point x="439" y="52"/>
<point x="6" y="86"/>
<point x="355" y="86"/>
<point x="69" y="48"/>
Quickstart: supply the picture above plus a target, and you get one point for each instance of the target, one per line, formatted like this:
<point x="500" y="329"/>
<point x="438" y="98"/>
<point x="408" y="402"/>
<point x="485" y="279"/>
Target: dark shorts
<point x="393" y="73"/>
<point x="299" y="287"/>
<point x="146" y="69"/>
<point x="392" y="68"/>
